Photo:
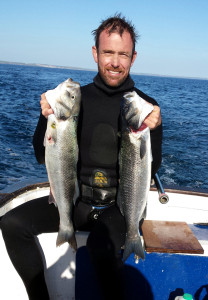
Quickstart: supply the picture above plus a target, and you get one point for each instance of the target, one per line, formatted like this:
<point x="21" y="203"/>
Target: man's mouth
<point x="114" y="73"/>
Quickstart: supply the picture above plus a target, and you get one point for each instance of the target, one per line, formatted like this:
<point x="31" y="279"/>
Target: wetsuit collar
<point x="125" y="86"/>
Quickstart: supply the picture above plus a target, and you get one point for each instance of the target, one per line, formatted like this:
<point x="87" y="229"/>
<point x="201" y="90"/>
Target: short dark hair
<point x="118" y="24"/>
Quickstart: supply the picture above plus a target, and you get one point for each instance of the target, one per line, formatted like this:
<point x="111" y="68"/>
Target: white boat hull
<point x="60" y="262"/>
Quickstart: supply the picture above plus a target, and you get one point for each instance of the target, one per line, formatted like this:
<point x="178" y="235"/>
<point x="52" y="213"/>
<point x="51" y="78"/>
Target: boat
<point x="175" y="236"/>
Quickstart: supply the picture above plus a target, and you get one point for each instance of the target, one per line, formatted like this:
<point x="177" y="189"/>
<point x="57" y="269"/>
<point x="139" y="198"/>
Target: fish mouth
<point x="141" y="128"/>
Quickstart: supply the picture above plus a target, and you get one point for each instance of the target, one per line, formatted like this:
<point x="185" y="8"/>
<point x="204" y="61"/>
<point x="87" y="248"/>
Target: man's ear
<point x="133" y="57"/>
<point x="95" y="54"/>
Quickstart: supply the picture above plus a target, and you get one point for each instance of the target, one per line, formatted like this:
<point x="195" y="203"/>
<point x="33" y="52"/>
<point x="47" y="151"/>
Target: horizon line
<point x="95" y="70"/>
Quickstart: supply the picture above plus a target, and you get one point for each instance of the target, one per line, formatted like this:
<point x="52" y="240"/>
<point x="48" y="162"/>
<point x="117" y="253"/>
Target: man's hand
<point x="45" y="107"/>
<point x="153" y="120"/>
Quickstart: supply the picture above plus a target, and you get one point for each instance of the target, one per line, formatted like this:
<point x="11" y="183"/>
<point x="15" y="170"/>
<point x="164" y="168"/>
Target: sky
<point x="173" y="34"/>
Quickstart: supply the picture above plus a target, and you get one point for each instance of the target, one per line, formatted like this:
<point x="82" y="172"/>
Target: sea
<point x="183" y="104"/>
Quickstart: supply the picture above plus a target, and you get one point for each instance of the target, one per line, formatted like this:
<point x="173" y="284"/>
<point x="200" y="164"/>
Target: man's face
<point x="114" y="57"/>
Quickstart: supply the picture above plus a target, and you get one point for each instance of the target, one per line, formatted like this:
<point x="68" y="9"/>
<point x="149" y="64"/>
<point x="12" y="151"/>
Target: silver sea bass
<point x="61" y="154"/>
<point x="135" y="169"/>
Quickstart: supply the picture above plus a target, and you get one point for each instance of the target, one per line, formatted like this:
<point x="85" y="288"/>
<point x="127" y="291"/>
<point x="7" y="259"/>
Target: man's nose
<point x="115" y="61"/>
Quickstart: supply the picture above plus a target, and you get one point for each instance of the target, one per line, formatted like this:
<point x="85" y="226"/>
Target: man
<point x="114" y="52"/>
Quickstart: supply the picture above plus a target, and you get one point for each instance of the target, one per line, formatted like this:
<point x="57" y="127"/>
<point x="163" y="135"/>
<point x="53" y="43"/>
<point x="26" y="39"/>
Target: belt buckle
<point x="87" y="191"/>
<point x="91" y="192"/>
<point x="95" y="212"/>
<point x="100" y="194"/>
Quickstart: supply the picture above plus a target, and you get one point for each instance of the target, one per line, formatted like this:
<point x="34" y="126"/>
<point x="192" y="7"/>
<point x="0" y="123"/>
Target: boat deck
<point x="159" y="276"/>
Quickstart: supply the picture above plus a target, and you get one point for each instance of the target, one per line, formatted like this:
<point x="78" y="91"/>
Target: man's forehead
<point x="115" y="40"/>
<point x="107" y="32"/>
<point x="107" y="36"/>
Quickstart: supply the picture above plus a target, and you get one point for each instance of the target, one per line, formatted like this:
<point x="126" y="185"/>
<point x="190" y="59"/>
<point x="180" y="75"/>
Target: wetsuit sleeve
<point x="38" y="139"/>
<point x="156" y="144"/>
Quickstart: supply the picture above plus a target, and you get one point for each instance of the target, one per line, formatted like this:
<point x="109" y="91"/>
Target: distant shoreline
<point x="91" y="70"/>
<point x="43" y="66"/>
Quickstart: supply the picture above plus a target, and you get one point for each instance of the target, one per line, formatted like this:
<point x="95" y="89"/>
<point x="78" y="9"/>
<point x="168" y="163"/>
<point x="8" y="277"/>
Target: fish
<point x="135" y="159"/>
<point x="61" y="154"/>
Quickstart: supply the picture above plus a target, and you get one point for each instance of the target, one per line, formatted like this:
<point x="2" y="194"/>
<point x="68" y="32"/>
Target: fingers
<point x="45" y="107"/>
<point x="153" y="120"/>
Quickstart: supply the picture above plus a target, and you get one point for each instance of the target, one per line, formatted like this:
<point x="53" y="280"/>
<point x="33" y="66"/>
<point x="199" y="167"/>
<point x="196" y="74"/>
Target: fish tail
<point x="66" y="236"/>
<point x="133" y="246"/>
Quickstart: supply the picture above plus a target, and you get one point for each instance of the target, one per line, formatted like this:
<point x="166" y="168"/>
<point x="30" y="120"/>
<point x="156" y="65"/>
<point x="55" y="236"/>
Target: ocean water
<point x="183" y="105"/>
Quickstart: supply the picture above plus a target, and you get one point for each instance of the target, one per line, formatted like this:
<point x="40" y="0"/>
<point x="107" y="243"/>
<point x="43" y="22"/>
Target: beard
<point x="112" y="80"/>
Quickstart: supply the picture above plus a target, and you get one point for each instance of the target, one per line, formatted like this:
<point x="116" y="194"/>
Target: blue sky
<point x="173" y="34"/>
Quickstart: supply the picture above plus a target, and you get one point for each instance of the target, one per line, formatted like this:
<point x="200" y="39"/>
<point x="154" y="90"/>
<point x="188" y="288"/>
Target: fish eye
<point x="73" y="97"/>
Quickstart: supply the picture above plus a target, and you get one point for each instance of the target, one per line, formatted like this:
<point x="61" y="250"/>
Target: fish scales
<point x="135" y="170"/>
<point x="61" y="166"/>
<point x="61" y="154"/>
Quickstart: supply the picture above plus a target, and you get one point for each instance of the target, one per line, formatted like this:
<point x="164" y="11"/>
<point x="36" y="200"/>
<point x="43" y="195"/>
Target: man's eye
<point x="124" y="54"/>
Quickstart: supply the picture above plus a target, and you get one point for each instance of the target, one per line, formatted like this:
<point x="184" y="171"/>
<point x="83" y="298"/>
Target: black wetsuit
<point x="98" y="167"/>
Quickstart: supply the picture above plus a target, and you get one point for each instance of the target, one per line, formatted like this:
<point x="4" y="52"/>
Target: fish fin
<point x="44" y="141"/>
<point x="151" y="156"/>
<point x="144" y="214"/>
<point x="51" y="198"/>
<point x="76" y="193"/>
<point x="133" y="246"/>
<point x="66" y="236"/>
<point x="119" y="202"/>
<point x="143" y="148"/>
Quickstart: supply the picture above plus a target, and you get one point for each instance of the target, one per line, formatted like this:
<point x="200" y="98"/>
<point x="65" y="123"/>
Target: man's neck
<point x="125" y="86"/>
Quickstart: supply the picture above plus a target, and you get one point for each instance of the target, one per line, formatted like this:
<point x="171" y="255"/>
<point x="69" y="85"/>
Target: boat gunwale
<point x="183" y="191"/>
<point x="6" y="197"/>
